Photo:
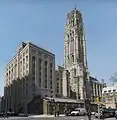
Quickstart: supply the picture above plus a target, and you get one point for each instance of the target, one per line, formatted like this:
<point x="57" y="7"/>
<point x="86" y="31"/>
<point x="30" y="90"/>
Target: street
<point x="52" y="118"/>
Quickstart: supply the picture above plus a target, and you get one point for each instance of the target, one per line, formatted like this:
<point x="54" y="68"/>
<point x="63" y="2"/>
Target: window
<point x="69" y="21"/>
<point x="7" y="74"/>
<point x="68" y="36"/>
<point x="45" y="56"/>
<point x="26" y="72"/>
<point x="114" y="90"/>
<point x="109" y="90"/>
<point x="40" y="74"/>
<point x="24" y="54"/>
<point x="45" y="86"/>
<point x="74" y="72"/>
<point x="26" y="51"/>
<point x="33" y="78"/>
<point x="33" y="65"/>
<point x="50" y="82"/>
<point x="73" y="22"/>
<point x="40" y="60"/>
<point x="40" y="81"/>
<point x="34" y="51"/>
<point x="51" y="65"/>
<point x="72" y="58"/>
<point x="26" y="58"/>
<point x="33" y="58"/>
<point x="46" y="63"/>
<point x="23" y="61"/>
<point x="20" y="63"/>
<point x="20" y="56"/>
<point x="26" y="65"/>
<point x="45" y="75"/>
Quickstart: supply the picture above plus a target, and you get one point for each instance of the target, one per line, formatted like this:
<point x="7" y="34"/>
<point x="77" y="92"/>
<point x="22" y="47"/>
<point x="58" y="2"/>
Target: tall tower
<point x="75" y="59"/>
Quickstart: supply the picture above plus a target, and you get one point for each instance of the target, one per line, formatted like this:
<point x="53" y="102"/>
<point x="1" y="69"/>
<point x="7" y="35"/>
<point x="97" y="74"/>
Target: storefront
<point x="60" y="104"/>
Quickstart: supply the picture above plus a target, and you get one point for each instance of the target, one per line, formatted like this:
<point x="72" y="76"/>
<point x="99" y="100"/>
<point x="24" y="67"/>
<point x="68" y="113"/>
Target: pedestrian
<point x="55" y="111"/>
<point x="89" y="114"/>
<point x="116" y="114"/>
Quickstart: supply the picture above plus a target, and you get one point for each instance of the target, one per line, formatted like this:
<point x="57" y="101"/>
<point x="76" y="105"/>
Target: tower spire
<point x="75" y="6"/>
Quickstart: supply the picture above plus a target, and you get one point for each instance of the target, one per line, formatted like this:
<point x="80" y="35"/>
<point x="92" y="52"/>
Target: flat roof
<point x="64" y="100"/>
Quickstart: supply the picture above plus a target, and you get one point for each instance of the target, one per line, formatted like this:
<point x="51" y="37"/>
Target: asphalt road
<point x="52" y="118"/>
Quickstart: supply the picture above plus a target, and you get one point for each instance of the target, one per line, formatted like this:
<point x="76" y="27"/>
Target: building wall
<point x="96" y="89"/>
<point x="75" y="60"/>
<point x="29" y="73"/>
<point x="59" y="81"/>
<point x="109" y="96"/>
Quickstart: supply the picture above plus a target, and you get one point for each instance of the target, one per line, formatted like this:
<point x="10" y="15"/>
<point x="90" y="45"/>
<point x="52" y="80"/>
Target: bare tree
<point x="113" y="78"/>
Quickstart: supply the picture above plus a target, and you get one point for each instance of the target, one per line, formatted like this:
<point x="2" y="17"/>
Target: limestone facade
<point x="31" y="72"/>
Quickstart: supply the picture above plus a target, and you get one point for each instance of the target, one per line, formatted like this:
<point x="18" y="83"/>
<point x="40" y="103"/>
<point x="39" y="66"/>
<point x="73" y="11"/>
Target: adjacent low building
<point x="59" y="81"/>
<point x="96" y="89"/>
<point x="109" y="96"/>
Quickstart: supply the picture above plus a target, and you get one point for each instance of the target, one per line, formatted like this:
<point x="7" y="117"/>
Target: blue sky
<point x="43" y="22"/>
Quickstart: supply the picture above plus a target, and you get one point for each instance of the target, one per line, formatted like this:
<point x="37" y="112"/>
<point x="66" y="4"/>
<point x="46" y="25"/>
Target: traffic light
<point x="97" y="99"/>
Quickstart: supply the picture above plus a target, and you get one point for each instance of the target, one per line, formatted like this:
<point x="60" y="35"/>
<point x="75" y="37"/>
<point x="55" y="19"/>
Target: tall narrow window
<point x="33" y="68"/>
<point x="74" y="72"/>
<point x="40" y="62"/>
<point x="72" y="58"/>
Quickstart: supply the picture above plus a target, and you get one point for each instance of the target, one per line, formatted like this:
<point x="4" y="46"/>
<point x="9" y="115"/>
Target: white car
<point x="79" y="111"/>
<point x="92" y="113"/>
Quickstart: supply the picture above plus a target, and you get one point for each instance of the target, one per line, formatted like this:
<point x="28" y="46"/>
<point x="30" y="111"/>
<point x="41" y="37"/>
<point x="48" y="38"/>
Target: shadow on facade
<point x="16" y="95"/>
<point x="36" y="105"/>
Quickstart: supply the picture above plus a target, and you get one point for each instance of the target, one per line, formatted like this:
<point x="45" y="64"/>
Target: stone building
<point x="109" y="96"/>
<point x="59" y="81"/>
<point x="75" y="57"/>
<point x="96" y="89"/>
<point x="29" y="75"/>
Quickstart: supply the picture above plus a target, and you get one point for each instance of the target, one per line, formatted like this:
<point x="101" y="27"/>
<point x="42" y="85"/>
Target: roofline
<point x="41" y="48"/>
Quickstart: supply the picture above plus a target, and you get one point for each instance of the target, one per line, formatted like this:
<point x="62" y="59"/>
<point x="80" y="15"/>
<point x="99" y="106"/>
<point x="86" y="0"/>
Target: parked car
<point x="111" y="111"/>
<point x="79" y="111"/>
<point x="106" y="114"/>
<point x="23" y="115"/>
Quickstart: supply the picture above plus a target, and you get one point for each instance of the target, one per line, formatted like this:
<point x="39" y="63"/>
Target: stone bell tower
<point x="75" y="57"/>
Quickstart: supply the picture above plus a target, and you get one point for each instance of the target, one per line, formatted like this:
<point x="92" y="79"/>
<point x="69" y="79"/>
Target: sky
<point x="43" y="23"/>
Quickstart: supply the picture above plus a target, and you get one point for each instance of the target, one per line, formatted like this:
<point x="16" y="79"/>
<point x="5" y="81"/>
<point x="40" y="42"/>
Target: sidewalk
<point x="44" y="115"/>
<point x="109" y="119"/>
